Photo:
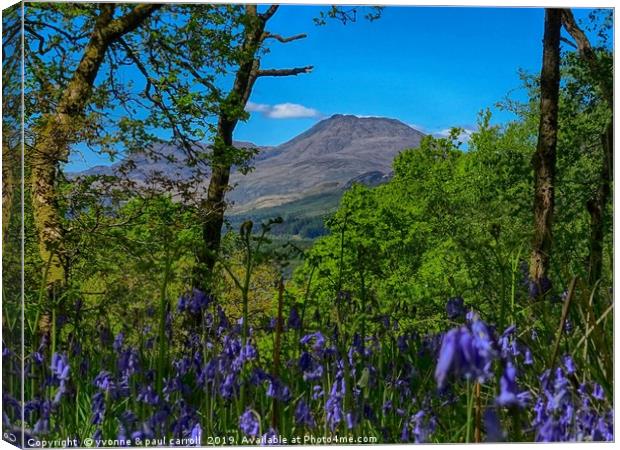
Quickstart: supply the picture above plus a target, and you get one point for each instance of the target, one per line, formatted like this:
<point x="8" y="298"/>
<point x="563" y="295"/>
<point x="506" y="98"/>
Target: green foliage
<point x="454" y="222"/>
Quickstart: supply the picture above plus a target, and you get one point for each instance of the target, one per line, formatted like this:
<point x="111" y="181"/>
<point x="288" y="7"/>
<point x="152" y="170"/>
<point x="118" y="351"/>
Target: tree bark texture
<point x="236" y="100"/>
<point x="247" y="74"/>
<point x="544" y="160"/>
<point x="56" y="132"/>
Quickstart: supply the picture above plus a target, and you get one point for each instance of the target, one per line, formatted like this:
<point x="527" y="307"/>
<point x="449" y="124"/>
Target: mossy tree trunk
<point x="56" y="131"/>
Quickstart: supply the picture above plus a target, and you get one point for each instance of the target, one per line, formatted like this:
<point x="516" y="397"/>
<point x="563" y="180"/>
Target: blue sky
<point x="430" y="67"/>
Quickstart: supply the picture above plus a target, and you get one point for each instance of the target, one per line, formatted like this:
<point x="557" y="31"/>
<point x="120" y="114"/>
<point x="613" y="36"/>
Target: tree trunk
<point x="56" y="132"/>
<point x="544" y="159"/>
<point x="598" y="204"/>
<point x="215" y="205"/>
<point x="247" y="74"/>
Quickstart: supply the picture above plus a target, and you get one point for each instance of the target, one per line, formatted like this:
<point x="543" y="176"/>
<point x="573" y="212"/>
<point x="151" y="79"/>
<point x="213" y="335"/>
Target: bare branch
<point x="70" y="37"/>
<point x="282" y="39"/>
<point x="269" y="13"/>
<point x="284" y="72"/>
<point x="131" y="20"/>
<point x="586" y="51"/>
<point x="569" y="42"/>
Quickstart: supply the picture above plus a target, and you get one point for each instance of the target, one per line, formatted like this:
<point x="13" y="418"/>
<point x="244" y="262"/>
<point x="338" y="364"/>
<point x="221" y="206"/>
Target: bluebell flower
<point x="312" y="370"/>
<point x="194" y="302"/>
<point x="104" y="381"/>
<point x="98" y="408"/>
<point x="196" y="434"/>
<point x="248" y="423"/>
<point x="318" y="338"/>
<point x="258" y="375"/>
<point x="569" y="364"/>
<point x="270" y="437"/>
<point x="351" y="420"/>
<point x="97" y="435"/>
<point x="492" y="426"/>
<point x="118" y="342"/>
<point x="333" y="405"/>
<point x="598" y="392"/>
<point x="465" y="352"/>
<point x="121" y="435"/>
<point x="527" y="358"/>
<point x="147" y="395"/>
<point x="248" y="353"/>
<point x="509" y="395"/>
<point x="303" y="415"/>
<point x="404" y="434"/>
<point x="317" y="392"/>
<point x="60" y="366"/>
<point x="229" y="386"/>
<point x="128" y="362"/>
<point x="387" y="406"/>
<point x="294" y="321"/>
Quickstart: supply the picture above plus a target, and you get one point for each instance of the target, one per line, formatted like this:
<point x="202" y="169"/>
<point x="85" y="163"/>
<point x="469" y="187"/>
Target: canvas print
<point x="242" y="224"/>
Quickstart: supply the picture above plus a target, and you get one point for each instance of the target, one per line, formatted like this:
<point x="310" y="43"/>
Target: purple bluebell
<point x="147" y="395"/>
<point x="98" y="408"/>
<point x="492" y="426"/>
<point x="569" y="364"/>
<point x="104" y="381"/>
<point x="318" y="338"/>
<point x="303" y="415"/>
<point x="60" y="366"/>
<point x="509" y="394"/>
<point x="196" y="434"/>
<point x="118" y="342"/>
<point x="42" y="426"/>
<point x="128" y="362"/>
<point x="598" y="392"/>
<point x="317" y="392"/>
<point x="527" y="358"/>
<point x="333" y="405"/>
<point x="351" y="420"/>
<point x="465" y="352"/>
<point x="270" y="437"/>
<point x="387" y="406"/>
<point x="276" y="389"/>
<point x="194" y="302"/>
<point x="248" y="423"/>
<point x="294" y="321"/>
<point x="229" y="386"/>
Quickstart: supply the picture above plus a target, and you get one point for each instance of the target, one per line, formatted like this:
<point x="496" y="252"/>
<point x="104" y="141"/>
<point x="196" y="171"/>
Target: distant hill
<point x="322" y="159"/>
<point x="303" y="178"/>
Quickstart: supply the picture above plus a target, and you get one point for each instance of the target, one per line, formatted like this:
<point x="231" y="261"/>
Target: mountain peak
<point x="348" y="128"/>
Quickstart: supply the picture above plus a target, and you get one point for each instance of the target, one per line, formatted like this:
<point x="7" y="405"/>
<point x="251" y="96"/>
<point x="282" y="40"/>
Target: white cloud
<point x="420" y="128"/>
<point x="283" y="110"/>
<point x="463" y="136"/>
<point x="256" y="107"/>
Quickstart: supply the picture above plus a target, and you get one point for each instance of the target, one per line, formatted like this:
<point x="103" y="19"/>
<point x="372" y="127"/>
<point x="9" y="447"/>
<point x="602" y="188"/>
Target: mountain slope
<point x="325" y="158"/>
<point x="302" y="179"/>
